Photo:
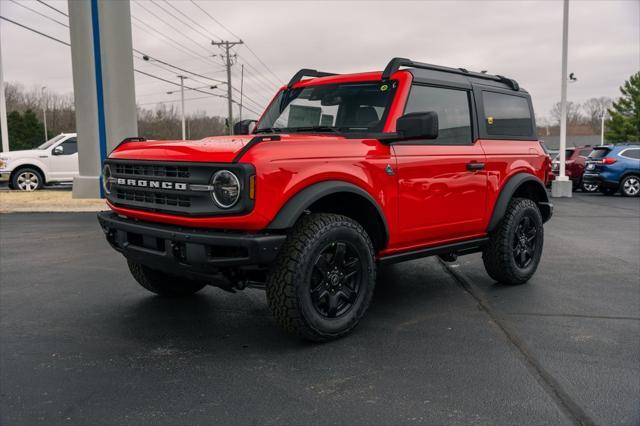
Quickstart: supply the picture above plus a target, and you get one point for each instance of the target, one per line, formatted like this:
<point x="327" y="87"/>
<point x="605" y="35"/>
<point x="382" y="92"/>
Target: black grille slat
<point x="142" y="196"/>
<point x="152" y="170"/>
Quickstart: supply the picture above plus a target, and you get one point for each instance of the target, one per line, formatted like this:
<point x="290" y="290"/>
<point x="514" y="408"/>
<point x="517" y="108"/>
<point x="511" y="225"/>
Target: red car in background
<point x="575" y="160"/>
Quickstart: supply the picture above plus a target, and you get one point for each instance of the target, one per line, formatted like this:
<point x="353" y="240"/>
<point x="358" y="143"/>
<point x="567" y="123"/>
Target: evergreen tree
<point x="25" y="131"/>
<point x="624" y="124"/>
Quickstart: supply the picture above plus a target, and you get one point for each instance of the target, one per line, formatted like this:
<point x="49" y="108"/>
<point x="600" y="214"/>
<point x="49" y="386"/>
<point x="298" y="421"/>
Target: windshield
<point x="51" y="141"/>
<point x="332" y="107"/>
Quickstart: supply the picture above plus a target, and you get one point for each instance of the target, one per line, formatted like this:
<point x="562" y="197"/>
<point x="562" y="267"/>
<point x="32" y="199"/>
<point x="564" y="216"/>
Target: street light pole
<point x="184" y="131"/>
<point x="604" y="113"/>
<point x="3" y="109"/>
<point x="561" y="186"/>
<point x="241" y="89"/>
<point x="44" y="112"/>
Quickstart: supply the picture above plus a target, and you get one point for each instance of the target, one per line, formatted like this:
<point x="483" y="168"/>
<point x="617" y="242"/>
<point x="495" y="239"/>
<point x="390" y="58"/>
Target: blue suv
<point x="613" y="168"/>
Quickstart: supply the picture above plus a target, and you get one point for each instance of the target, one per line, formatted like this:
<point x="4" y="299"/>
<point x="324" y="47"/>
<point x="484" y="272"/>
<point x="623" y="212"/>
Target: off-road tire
<point x="289" y="281"/>
<point x="629" y="186"/>
<point x="498" y="255"/>
<point x="23" y="172"/>
<point x="162" y="284"/>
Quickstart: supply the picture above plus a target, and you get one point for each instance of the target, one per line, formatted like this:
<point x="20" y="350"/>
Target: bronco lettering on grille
<point x="143" y="183"/>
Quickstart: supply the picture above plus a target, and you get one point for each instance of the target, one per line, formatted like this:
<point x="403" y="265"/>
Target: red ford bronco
<point x="340" y="174"/>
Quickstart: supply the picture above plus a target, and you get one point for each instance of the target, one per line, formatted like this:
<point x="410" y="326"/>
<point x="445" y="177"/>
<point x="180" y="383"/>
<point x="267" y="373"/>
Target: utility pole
<point x="562" y="186"/>
<point x="241" y="89"/>
<point x="228" y="63"/>
<point x="44" y="112"/>
<point x="182" y="77"/>
<point x="3" y="109"/>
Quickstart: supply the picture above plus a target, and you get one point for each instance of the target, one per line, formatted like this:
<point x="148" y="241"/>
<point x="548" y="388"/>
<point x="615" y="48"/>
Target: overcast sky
<point x="518" y="39"/>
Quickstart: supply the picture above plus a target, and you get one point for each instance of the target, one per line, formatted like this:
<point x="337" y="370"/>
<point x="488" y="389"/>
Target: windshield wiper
<point x="314" y="129"/>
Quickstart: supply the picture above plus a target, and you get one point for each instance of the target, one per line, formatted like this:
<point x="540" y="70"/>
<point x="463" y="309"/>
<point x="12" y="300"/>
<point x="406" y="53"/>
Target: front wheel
<point x="162" y="284"/>
<point x="515" y="247"/>
<point x="323" y="280"/>
<point x="27" y="179"/>
<point x="630" y="186"/>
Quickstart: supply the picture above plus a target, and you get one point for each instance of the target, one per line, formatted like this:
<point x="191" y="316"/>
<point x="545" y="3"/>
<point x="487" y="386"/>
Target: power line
<point x="236" y="36"/>
<point x="209" y="33"/>
<point x="36" y="31"/>
<point x="53" y="8"/>
<point x="39" y="13"/>
<point x="144" y="55"/>
<point x="139" y="4"/>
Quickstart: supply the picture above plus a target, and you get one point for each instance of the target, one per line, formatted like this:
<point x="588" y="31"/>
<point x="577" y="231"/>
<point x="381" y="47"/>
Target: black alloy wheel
<point x="336" y="279"/>
<point x="524" y="242"/>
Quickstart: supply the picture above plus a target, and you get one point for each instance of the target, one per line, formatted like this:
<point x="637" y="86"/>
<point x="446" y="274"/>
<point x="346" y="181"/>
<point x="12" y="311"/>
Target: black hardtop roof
<point x="429" y="72"/>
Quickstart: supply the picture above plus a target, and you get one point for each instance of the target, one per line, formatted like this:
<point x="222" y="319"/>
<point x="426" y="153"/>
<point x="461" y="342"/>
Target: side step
<point x="448" y="252"/>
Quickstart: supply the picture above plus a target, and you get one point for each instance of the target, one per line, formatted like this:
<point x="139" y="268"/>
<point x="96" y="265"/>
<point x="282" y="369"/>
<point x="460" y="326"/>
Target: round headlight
<point x="106" y="179"/>
<point x="226" y="188"/>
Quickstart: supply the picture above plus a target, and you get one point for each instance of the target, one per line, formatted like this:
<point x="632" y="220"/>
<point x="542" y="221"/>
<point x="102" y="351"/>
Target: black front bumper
<point x="197" y="251"/>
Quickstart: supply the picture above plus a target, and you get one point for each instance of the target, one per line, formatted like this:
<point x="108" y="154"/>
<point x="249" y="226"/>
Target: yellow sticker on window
<point x="489" y="120"/>
<point x="384" y="88"/>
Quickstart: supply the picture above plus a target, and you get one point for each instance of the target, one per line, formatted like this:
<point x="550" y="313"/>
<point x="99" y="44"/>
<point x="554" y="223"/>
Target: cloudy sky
<point x="519" y="39"/>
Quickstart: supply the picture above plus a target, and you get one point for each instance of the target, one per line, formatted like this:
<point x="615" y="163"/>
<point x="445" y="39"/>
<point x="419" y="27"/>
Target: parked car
<point x="342" y="173"/>
<point x="615" y="168"/>
<point x="54" y="161"/>
<point x="575" y="159"/>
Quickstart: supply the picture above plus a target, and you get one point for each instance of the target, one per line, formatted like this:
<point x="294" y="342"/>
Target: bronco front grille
<point x="166" y="187"/>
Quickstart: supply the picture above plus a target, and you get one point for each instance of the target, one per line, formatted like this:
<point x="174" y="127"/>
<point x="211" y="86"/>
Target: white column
<point x="102" y="60"/>
<point x="3" y="109"/>
<point x="561" y="186"/>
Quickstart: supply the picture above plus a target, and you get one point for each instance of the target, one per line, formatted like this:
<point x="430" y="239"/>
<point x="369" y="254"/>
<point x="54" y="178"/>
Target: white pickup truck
<point x="55" y="161"/>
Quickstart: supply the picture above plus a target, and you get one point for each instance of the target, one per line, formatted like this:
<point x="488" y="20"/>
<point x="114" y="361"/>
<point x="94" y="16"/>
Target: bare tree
<point x="594" y="108"/>
<point x="574" y="116"/>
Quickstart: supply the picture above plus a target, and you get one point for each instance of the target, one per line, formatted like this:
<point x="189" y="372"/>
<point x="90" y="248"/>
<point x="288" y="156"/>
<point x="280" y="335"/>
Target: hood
<point x="25" y="153"/>
<point x="216" y="149"/>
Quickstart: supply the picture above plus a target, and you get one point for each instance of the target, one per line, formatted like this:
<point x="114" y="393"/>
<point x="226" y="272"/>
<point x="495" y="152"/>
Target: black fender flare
<point x="296" y="205"/>
<point x="510" y="188"/>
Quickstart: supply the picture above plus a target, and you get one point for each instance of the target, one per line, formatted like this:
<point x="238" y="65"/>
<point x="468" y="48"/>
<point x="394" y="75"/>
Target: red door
<point x="442" y="184"/>
<point x="442" y="190"/>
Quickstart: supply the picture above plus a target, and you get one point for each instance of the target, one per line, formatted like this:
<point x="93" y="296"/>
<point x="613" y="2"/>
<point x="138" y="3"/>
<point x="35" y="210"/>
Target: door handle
<point x="475" y="166"/>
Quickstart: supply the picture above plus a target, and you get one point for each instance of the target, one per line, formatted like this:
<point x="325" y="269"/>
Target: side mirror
<point x="58" y="150"/>
<point x="418" y="125"/>
<point x="244" y="127"/>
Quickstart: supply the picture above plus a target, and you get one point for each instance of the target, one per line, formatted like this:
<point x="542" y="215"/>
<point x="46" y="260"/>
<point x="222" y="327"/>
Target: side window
<point x="70" y="146"/>
<point x="506" y="115"/>
<point x="633" y="153"/>
<point x="452" y="107"/>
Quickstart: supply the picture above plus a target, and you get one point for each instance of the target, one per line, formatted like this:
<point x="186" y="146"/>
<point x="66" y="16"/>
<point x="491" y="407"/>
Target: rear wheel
<point x="515" y="247"/>
<point x="322" y="282"/>
<point x="163" y="284"/>
<point x="630" y="186"/>
<point x="589" y="187"/>
<point x="27" y="179"/>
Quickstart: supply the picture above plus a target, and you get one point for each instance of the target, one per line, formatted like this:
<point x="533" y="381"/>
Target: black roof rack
<point x="305" y="72"/>
<point x="395" y="64"/>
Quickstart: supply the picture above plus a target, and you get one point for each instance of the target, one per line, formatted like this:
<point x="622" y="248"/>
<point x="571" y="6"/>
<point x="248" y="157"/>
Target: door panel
<point x="440" y="199"/>
<point x="64" y="167"/>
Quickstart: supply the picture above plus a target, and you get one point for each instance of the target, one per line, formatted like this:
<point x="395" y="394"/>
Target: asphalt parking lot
<point x="82" y="343"/>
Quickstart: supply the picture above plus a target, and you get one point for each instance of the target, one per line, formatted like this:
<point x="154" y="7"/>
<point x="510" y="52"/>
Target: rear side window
<point x="631" y="153"/>
<point x="507" y="115"/>
<point x="452" y="107"/>
<point x="585" y="152"/>
<point x="599" y="153"/>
